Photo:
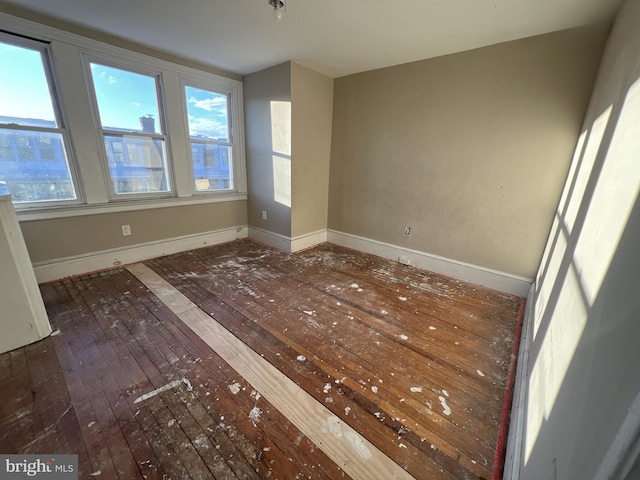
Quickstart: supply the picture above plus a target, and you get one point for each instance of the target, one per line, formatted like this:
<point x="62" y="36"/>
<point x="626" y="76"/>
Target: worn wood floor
<point x="240" y="361"/>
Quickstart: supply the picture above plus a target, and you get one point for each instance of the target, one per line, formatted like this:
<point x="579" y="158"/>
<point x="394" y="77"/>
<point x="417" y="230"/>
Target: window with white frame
<point x="34" y="159"/>
<point x="209" y="126"/>
<point x="132" y="126"/>
<point x="164" y="133"/>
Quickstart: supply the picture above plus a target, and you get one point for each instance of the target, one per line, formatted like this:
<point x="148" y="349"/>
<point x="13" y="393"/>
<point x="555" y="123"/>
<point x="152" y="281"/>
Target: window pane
<point x="137" y="164"/>
<point x="34" y="165"/>
<point x="211" y="166"/>
<point x="24" y="92"/>
<point x="208" y="115"/>
<point x="127" y="101"/>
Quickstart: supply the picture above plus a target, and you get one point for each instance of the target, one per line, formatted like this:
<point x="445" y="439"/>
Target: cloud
<point x="207" y="127"/>
<point x="109" y="78"/>
<point x="218" y="103"/>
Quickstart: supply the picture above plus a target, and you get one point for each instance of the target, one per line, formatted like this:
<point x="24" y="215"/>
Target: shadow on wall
<point x="585" y="352"/>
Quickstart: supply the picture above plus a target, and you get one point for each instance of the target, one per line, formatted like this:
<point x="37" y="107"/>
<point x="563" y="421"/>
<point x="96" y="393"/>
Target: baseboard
<point x="515" y="439"/>
<point x="494" y="279"/>
<point x="281" y="242"/>
<point x="308" y="240"/>
<point x="64" y="267"/>
<point x="288" y="244"/>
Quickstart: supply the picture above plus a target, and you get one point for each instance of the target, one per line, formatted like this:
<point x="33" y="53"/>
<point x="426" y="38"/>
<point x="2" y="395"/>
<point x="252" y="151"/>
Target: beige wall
<point x="583" y="380"/>
<point x="470" y="150"/>
<point x="288" y="112"/>
<point x="311" y="117"/>
<point x="267" y="96"/>
<point x="70" y="236"/>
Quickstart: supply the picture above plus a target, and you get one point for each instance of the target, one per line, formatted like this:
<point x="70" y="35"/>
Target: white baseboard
<point x="486" y="277"/>
<point x="281" y="242"/>
<point x="90" y="262"/>
<point x="515" y="438"/>
<point x="288" y="244"/>
<point x="308" y="240"/>
<point x="64" y="267"/>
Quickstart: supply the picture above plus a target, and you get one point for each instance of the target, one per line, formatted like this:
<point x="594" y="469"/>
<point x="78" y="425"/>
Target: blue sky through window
<point x="123" y="97"/>
<point x="208" y="114"/>
<point x="24" y="93"/>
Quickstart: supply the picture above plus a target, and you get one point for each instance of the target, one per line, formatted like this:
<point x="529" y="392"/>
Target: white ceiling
<point x="333" y="37"/>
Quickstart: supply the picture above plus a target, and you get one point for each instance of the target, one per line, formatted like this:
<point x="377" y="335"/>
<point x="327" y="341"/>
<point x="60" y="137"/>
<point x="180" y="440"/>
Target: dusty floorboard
<point x="416" y="363"/>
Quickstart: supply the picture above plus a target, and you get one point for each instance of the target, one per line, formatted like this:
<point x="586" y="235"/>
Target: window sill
<point x="51" y="212"/>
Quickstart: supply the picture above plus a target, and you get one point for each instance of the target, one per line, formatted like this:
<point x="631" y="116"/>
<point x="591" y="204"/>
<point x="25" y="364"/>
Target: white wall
<point x="583" y="373"/>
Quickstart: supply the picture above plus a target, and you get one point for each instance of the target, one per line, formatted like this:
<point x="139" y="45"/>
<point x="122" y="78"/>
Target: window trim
<point x="84" y="141"/>
<point x="213" y="87"/>
<point x="89" y="58"/>
<point x="44" y="48"/>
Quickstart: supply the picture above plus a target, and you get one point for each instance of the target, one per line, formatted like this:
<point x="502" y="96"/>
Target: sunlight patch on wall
<point x="281" y="127"/>
<point x="553" y="361"/>
<point x="281" y="149"/>
<point x="552" y="272"/>
<point x="575" y="161"/>
<point x="282" y="180"/>
<point x="614" y="197"/>
<point x="586" y="168"/>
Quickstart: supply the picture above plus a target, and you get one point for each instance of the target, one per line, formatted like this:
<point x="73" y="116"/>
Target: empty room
<point x="286" y="239"/>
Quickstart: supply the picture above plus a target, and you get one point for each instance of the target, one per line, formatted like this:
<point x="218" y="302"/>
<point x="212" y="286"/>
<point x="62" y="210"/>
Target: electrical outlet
<point x="407" y="231"/>
<point x="126" y="230"/>
<point x="264" y="214"/>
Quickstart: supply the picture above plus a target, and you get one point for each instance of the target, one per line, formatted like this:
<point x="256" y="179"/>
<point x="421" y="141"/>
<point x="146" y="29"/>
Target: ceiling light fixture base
<point x="279" y="7"/>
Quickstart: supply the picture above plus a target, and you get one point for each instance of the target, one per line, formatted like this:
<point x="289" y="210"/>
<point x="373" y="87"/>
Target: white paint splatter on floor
<point x="404" y="299"/>
<point x="188" y="384"/>
<point x="403" y="337"/>
<point x="432" y="327"/>
<point x="327" y="387"/>
<point x="480" y="373"/>
<point x="445" y="393"/>
<point x="234" y="388"/>
<point x="358" y="444"/>
<point x="301" y="358"/>
<point x="254" y="415"/>
<point x="446" y="410"/>
<point x="155" y="392"/>
<point x="416" y="389"/>
<point x="374" y="389"/>
<point x="334" y="426"/>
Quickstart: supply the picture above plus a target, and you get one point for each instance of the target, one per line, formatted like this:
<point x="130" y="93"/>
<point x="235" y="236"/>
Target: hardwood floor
<point x="241" y="361"/>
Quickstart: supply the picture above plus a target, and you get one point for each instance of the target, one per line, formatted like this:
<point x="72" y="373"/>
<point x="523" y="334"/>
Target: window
<point x="133" y="130"/>
<point x="33" y="146"/>
<point x="209" y="134"/>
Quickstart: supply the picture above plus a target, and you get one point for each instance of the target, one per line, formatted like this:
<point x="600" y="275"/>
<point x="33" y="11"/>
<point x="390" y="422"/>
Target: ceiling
<point x="336" y="38"/>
